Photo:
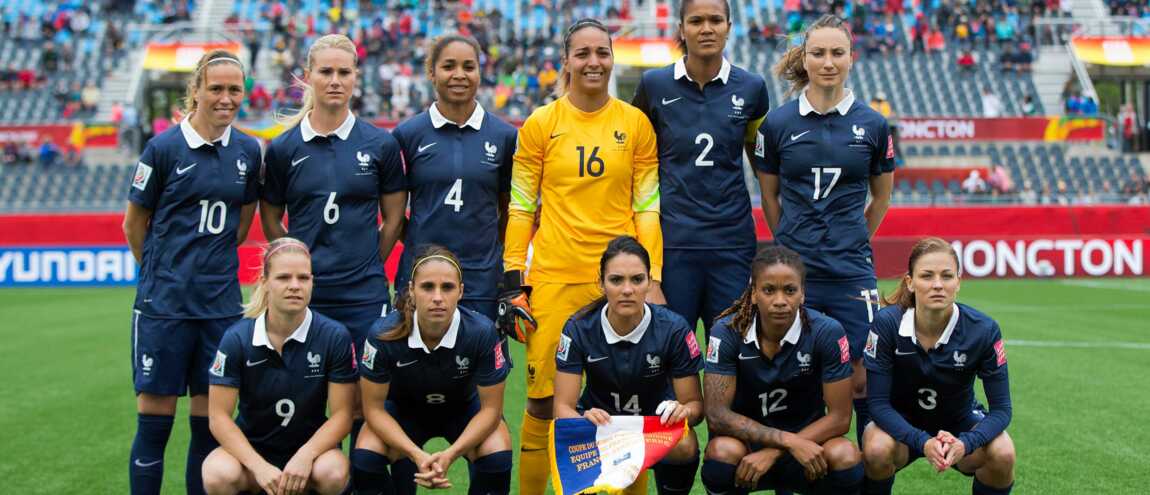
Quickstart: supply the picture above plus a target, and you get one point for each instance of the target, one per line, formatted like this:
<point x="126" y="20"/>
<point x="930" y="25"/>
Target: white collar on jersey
<point x="415" y="340"/>
<point x="791" y="337"/>
<point x="194" y="139"/>
<point x="475" y="120"/>
<point x="681" y="70"/>
<point x="343" y="131"/>
<point x="841" y="107"/>
<point x="260" y="332"/>
<point x="634" y="337"/>
<point x="906" y="327"/>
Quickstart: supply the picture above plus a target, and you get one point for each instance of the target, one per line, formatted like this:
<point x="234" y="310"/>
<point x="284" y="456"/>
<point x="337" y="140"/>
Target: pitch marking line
<point x="1145" y="346"/>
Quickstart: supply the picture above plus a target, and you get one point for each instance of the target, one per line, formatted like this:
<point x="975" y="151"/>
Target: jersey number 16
<point x="592" y="165"/>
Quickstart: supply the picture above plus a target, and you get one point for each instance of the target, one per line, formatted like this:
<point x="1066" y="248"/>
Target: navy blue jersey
<point x="628" y="375"/>
<point x="701" y="136"/>
<point x="455" y="175"/>
<point x="824" y="163"/>
<point x="784" y="392"/>
<point x="442" y="379"/>
<point x="195" y="191"/>
<point x="935" y="388"/>
<point x="283" y="398"/>
<point x="331" y="186"/>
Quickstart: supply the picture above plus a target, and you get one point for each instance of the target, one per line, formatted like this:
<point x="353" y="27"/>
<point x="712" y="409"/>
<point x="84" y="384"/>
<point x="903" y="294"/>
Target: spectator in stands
<point x="9" y="78"/>
<point x="10" y="153"/>
<point x="1089" y="104"/>
<point x="999" y="180"/>
<point x="1128" y="123"/>
<point x="1029" y="107"/>
<point x="991" y="105"/>
<point x="935" y="42"/>
<point x="48" y="153"/>
<point x="1024" y="58"/>
<point x="1062" y="192"/>
<point x="1028" y="196"/>
<point x="1135" y="186"/>
<point x="966" y="62"/>
<point x="49" y="57"/>
<point x="974" y="183"/>
<point x="89" y="97"/>
<point x="29" y="78"/>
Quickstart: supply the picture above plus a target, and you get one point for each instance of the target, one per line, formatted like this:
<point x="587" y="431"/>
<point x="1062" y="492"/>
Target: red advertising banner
<point x="1001" y="129"/>
<point x="1018" y="256"/>
<point x="78" y="134"/>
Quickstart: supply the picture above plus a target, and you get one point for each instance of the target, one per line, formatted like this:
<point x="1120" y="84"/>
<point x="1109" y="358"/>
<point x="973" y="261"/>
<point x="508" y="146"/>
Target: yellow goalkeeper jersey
<point x="590" y="173"/>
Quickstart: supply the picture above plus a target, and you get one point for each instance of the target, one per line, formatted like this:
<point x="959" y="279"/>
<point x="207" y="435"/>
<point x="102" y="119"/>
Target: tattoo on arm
<point x="719" y="393"/>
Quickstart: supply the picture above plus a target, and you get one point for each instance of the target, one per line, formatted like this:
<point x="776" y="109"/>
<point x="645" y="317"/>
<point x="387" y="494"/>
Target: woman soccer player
<point x="820" y="156"/>
<point x="590" y="159"/>
<point x="283" y="364"/>
<point x="334" y="175"/>
<point x="640" y="360"/>
<point x="433" y="369"/>
<point x="458" y="174"/>
<point x="778" y="394"/>
<point x="190" y="205"/>
<point x="922" y="355"/>
<point x="705" y="112"/>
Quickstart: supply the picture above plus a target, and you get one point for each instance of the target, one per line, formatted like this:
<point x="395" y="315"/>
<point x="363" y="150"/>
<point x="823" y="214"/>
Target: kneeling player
<point x="433" y="369"/>
<point x="284" y="364"/>
<point x="778" y="390"/>
<point x="922" y="355"/>
<point x="639" y="359"/>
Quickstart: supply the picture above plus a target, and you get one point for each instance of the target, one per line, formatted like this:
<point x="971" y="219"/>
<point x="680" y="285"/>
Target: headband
<point x="435" y="256"/>
<point x="294" y="243"/>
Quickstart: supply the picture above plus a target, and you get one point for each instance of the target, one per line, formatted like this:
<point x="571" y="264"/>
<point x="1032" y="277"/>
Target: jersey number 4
<point x="820" y="172"/>
<point x="591" y="165"/>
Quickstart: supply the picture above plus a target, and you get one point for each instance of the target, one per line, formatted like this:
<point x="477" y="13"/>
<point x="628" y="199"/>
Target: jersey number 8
<point x="436" y="399"/>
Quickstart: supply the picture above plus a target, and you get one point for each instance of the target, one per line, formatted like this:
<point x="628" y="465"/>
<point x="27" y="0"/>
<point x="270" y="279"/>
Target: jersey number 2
<point x="708" y="143"/>
<point x="819" y="172"/>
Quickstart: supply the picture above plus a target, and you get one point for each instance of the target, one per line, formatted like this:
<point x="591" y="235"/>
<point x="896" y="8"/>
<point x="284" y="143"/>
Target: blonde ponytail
<point x="200" y="75"/>
<point x="337" y="41"/>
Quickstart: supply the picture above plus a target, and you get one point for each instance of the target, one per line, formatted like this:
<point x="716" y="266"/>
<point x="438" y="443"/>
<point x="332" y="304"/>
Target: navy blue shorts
<point x="172" y="357"/>
<point x="977" y="413"/>
<point x="358" y="319"/>
<point x="853" y="303"/>
<point x="701" y="283"/>
<point x="421" y="425"/>
<point x="788" y="474"/>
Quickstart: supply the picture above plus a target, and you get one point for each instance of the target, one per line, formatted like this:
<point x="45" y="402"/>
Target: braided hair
<point x="744" y="309"/>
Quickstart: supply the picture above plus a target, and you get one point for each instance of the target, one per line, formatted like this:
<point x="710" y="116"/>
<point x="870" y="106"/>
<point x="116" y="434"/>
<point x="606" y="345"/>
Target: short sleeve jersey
<point x="283" y="397"/>
<point x="195" y="191"/>
<point x="438" y="380"/>
<point x="701" y="137"/>
<point x="935" y="386"/>
<point x="331" y="187"/>
<point x="628" y="375"/>
<point x="824" y="163"/>
<point x="455" y="175"/>
<point x="784" y="392"/>
<point x="591" y="172"/>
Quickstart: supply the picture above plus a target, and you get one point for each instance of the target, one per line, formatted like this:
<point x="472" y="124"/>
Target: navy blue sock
<point x="977" y="488"/>
<point x="403" y="476"/>
<point x="719" y="477"/>
<point x="846" y="481"/>
<point x="369" y="474"/>
<point x="491" y="474"/>
<point x="676" y="478"/>
<point x="146" y="465"/>
<point x="356" y="425"/>
<point x="877" y="487"/>
<point x="200" y="445"/>
<point x="862" y="417"/>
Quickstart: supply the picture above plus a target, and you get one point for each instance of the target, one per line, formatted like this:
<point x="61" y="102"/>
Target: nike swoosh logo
<point x="799" y="135"/>
<point x="148" y="464"/>
<point x="421" y="148"/>
<point x="668" y="102"/>
<point x="557" y="134"/>
<point x="745" y="358"/>
<point x="596" y="359"/>
<point x="250" y="363"/>
<point x="900" y="353"/>
<point x="299" y="160"/>
<point x="400" y="364"/>
<point x="180" y="171"/>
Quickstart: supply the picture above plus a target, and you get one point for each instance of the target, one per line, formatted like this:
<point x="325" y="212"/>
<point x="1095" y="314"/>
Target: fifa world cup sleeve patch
<point x="143" y="174"/>
<point x="713" y="349"/>
<point x="1000" y="352"/>
<point x="692" y="345"/>
<point x="368" y="360"/>
<point x="499" y="360"/>
<point x="217" y="368"/>
<point x="845" y="350"/>
<point x="871" y="345"/>
<point x="564" y="347"/>
<point x="889" y="147"/>
<point x="760" y="145"/>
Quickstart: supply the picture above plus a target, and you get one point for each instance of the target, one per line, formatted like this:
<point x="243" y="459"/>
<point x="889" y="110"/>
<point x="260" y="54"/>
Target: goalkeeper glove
<point x="514" y="319"/>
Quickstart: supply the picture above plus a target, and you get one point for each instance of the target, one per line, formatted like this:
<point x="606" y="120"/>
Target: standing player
<point x="705" y="112"/>
<point x="433" y="369"/>
<point x="821" y="155"/>
<point x="590" y="159"/>
<point x="640" y="360"/>
<point x="189" y="207"/>
<point x="334" y="175"/>
<point x="283" y="365"/>
<point x="778" y="394"/>
<point x="458" y="174"/>
<point x="922" y="355"/>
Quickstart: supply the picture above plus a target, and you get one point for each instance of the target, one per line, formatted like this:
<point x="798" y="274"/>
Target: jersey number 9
<point x="592" y="165"/>
<point x="285" y="409"/>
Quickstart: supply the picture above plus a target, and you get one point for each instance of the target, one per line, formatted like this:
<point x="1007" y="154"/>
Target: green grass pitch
<point x="1079" y="353"/>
